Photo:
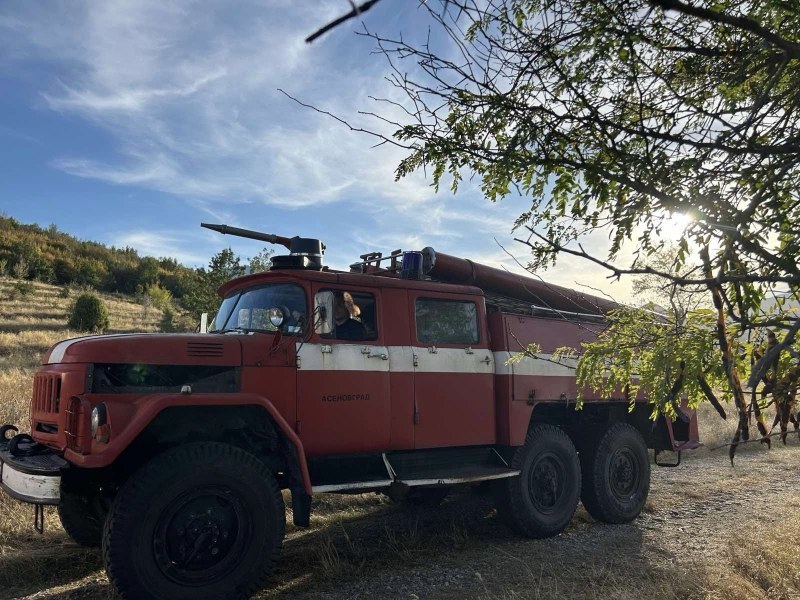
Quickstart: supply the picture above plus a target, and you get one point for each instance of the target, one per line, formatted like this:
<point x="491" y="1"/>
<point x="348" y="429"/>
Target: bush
<point x="63" y="292"/>
<point x="24" y="288"/>
<point x="161" y="298"/>
<point x="175" y="322"/>
<point x="89" y="314"/>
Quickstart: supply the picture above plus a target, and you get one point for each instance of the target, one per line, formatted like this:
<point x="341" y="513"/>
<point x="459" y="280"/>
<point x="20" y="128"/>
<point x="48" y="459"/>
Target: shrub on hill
<point x="174" y="322"/>
<point x="159" y="297"/>
<point x="24" y="288"/>
<point x="89" y="314"/>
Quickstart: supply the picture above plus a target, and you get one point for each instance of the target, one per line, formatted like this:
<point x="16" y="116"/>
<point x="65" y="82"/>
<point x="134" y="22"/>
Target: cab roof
<point x="347" y="279"/>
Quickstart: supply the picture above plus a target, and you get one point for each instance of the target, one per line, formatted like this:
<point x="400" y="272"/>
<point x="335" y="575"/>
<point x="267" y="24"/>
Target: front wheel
<point x="616" y="475"/>
<point x="541" y="501"/>
<point x="203" y="520"/>
<point x="82" y="516"/>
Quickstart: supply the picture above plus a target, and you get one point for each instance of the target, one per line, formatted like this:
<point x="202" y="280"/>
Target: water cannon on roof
<point x="304" y="253"/>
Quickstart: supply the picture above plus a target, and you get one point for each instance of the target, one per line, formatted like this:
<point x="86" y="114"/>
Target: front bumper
<point x="34" y="478"/>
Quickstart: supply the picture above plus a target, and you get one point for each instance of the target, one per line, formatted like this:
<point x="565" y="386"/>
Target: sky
<point x="131" y="122"/>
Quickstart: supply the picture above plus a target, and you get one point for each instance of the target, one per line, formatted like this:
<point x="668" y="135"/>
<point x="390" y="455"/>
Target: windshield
<point x="248" y="310"/>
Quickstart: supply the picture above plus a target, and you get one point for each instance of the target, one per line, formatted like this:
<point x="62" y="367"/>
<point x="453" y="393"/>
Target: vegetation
<point x="613" y="118"/>
<point x="52" y="256"/>
<point x="89" y="314"/>
<point x="23" y="288"/>
<point x="31" y="253"/>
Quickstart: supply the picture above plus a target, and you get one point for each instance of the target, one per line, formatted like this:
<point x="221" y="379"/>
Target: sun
<point x="675" y="224"/>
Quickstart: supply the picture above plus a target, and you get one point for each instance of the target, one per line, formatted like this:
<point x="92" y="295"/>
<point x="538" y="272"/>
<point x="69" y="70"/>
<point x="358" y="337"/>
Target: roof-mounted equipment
<point x="304" y="253"/>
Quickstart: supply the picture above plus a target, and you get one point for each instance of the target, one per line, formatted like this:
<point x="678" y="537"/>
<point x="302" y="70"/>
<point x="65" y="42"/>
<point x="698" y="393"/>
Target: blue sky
<point x="129" y="123"/>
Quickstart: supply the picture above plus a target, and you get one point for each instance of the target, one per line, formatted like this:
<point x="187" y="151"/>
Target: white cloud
<point x="188" y="94"/>
<point x="161" y="243"/>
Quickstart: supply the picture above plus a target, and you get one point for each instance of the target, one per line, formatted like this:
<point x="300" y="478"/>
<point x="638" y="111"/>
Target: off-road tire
<point x="193" y="500"/>
<point x="540" y="502"/>
<point x="616" y="475"/>
<point x="82" y="517"/>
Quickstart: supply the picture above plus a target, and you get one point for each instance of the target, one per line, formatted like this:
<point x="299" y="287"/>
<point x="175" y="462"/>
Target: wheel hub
<point x="200" y="536"/>
<point x="546" y="483"/>
<point x="624" y="474"/>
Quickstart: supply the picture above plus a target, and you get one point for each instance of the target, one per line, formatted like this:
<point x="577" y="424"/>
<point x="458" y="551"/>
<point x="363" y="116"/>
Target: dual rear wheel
<point x="611" y="477"/>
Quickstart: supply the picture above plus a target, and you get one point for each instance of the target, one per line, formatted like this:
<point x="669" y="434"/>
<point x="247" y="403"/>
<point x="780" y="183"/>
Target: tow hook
<point x="4" y="430"/>
<point x="38" y="518"/>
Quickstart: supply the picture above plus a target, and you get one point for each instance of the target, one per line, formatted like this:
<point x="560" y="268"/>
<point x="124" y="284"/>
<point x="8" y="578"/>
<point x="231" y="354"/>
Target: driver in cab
<point x="345" y="326"/>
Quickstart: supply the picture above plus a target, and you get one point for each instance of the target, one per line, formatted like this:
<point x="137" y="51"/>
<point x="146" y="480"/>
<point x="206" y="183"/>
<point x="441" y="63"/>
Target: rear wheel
<point x="204" y="520"/>
<point x="541" y="501"/>
<point x="616" y="475"/>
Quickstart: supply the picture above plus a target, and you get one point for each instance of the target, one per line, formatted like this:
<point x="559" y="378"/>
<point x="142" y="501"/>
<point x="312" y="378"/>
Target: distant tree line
<point x="30" y="252"/>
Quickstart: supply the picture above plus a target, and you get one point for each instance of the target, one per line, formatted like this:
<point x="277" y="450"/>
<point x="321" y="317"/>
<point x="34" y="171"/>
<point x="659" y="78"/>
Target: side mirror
<point x="323" y="313"/>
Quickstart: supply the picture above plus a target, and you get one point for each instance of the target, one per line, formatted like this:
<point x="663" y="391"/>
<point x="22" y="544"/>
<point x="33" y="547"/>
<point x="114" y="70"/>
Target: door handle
<point x="365" y="350"/>
<point x="486" y="359"/>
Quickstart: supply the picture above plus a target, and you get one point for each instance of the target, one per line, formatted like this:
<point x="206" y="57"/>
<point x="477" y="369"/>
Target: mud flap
<point x="301" y="507"/>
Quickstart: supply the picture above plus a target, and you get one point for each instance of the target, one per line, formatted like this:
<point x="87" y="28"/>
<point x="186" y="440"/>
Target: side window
<point x="446" y="321"/>
<point x="354" y="316"/>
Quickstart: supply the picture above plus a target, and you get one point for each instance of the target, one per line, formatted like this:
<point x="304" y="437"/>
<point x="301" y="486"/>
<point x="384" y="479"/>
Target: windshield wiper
<point x="232" y="329"/>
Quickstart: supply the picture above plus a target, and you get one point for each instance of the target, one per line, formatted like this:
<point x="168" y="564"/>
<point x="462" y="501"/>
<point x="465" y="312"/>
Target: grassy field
<point x="357" y="539"/>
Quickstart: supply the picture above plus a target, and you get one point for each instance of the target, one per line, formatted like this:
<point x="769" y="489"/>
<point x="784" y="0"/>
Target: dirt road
<point x="692" y="541"/>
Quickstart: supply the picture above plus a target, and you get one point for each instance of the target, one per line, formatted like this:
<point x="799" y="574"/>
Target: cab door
<point x="453" y="371"/>
<point x="343" y="402"/>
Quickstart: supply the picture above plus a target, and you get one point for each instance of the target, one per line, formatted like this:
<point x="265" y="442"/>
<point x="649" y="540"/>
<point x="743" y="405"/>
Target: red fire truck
<point x="171" y="451"/>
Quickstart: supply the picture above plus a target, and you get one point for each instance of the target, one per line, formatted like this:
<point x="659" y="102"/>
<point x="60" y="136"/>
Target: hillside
<point x="29" y="325"/>
<point x="28" y="252"/>
<point x="50" y="255"/>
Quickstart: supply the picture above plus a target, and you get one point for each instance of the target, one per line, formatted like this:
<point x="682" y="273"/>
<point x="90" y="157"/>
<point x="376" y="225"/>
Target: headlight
<point x="99" y="418"/>
<point x="276" y="316"/>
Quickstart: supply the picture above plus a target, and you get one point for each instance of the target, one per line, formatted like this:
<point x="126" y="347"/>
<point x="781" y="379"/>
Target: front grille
<point x="46" y="394"/>
<point x="204" y="349"/>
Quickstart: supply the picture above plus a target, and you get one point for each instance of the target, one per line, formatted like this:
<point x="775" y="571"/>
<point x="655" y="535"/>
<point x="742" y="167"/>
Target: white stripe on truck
<point x="415" y="359"/>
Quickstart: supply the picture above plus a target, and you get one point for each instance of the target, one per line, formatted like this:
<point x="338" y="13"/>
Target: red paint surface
<point x="454" y="409"/>
<point x="339" y="427"/>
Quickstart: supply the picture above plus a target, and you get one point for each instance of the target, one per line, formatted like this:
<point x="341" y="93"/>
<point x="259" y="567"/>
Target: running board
<point x="439" y="466"/>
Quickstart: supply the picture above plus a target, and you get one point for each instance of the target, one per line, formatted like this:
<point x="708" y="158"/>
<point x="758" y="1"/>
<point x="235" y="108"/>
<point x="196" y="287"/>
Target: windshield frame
<point x="237" y="296"/>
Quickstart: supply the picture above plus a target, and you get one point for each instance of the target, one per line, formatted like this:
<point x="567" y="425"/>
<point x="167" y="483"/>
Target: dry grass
<point x="756" y="565"/>
<point x="716" y="433"/>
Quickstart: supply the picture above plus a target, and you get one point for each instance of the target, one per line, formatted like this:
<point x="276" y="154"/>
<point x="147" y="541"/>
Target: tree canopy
<point x="613" y="116"/>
